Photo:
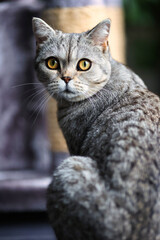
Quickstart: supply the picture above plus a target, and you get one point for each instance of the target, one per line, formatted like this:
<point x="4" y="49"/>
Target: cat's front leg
<point x="79" y="205"/>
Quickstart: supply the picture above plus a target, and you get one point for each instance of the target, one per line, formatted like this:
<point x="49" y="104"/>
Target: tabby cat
<point x="108" y="189"/>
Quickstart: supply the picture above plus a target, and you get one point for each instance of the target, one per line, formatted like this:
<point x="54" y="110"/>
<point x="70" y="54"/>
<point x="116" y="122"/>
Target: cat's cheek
<point x="46" y="76"/>
<point x="85" y="89"/>
<point x="71" y="86"/>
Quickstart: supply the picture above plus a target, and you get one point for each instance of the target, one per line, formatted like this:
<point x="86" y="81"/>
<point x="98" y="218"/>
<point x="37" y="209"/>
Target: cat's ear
<point x="42" y="30"/>
<point x="99" y="34"/>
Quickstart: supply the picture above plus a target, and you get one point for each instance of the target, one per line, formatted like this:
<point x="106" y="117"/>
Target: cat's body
<point x="109" y="188"/>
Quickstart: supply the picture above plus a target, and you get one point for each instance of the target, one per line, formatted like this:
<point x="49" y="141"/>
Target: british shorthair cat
<point x="108" y="189"/>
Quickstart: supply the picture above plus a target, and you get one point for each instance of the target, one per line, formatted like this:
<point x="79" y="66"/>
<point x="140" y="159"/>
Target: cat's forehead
<point x="68" y="46"/>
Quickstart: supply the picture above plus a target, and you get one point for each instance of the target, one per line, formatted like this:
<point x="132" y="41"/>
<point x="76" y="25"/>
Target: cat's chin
<point x="70" y="96"/>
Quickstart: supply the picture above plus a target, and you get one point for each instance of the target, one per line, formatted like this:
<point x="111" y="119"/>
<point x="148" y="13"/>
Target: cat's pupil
<point x="84" y="63"/>
<point x="53" y="62"/>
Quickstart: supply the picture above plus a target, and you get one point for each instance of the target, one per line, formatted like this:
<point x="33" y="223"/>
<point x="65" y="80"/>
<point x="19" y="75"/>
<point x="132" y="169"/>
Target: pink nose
<point x="66" y="79"/>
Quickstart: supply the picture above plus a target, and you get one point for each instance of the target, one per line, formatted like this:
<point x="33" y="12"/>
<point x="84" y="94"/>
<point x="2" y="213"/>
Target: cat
<point x="108" y="189"/>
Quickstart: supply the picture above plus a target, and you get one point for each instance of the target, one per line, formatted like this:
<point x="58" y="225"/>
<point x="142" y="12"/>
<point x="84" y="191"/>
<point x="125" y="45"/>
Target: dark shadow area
<point x="25" y="226"/>
<point x="142" y="21"/>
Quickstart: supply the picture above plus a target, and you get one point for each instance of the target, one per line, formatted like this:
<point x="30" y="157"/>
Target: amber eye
<point x="52" y="63"/>
<point x="84" y="65"/>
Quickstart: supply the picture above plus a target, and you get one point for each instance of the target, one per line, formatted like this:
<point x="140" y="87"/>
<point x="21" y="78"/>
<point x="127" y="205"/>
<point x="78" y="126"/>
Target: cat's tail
<point x="80" y="206"/>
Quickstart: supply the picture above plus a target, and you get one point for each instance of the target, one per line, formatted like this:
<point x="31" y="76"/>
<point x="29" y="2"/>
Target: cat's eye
<point x="83" y="65"/>
<point x="52" y="63"/>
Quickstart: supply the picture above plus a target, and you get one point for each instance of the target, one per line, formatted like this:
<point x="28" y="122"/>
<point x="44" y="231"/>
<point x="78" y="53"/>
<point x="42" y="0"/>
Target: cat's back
<point x="131" y="122"/>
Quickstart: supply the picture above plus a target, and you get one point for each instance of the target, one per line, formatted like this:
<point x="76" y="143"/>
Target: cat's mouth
<point x="67" y="92"/>
<point x="68" y="89"/>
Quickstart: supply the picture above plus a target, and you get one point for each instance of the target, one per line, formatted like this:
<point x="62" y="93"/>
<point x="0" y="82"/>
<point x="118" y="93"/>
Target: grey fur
<point x="110" y="190"/>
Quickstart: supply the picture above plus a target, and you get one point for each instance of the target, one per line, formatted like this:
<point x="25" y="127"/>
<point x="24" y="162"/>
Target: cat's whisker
<point x="40" y="101"/>
<point x="52" y="83"/>
<point x="35" y="94"/>
<point x="41" y="107"/>
<point x="34" y="90"/>
<point x="25" y="84"/>
<point x="37" y="103"/>
<point x="53" y="88"/>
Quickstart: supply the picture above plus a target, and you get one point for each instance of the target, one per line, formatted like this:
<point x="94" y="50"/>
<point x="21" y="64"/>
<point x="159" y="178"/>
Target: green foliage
<point x="141" y="12"/>
<point x="142" y="20"/>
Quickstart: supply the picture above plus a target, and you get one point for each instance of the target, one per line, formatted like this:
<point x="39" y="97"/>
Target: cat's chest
<point x="75" y="126"/>
<point x="82" y="128"/>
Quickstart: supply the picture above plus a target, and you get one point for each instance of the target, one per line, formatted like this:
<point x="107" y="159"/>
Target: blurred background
<point x="31" y="143"/>
<point x="142" y="30"/>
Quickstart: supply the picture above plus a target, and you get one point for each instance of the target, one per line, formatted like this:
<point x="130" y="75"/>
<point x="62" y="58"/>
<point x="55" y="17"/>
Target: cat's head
<point x="72" y="66"/>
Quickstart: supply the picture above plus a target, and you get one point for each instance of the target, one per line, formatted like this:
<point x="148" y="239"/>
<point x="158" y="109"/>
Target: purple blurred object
<point x="23" y="138"/>
<point x="25" y="157"/>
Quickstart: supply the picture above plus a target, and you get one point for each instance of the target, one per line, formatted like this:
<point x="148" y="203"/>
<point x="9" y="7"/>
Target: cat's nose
<point x="66" y="79"/>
